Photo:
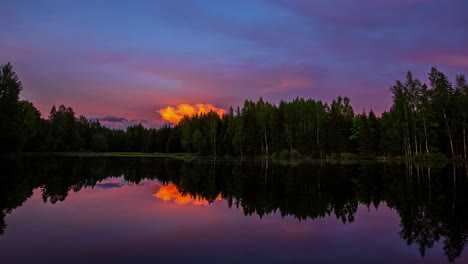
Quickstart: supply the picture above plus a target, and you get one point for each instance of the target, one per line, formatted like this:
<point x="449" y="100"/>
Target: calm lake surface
<point x="119" y="210"/>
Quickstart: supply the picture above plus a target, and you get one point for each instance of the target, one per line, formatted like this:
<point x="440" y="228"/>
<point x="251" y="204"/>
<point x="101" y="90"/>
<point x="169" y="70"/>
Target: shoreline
<point x="193" y="156"/>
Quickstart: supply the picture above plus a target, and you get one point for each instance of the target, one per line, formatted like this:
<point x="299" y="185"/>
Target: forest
<point x="426" y="121"/>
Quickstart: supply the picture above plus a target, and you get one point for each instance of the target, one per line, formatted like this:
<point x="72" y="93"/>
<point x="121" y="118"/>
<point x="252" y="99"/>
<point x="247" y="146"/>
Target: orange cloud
<point x="171" y="193"/>
<point x="175" y="114"/>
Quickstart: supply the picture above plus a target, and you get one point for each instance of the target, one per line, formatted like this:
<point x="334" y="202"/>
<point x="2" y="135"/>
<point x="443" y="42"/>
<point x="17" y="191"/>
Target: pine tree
<point x="10" y="118"/>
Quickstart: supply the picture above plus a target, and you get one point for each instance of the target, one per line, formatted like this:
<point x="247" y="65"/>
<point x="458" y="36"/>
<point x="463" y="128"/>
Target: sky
<point x="122" y="61"/>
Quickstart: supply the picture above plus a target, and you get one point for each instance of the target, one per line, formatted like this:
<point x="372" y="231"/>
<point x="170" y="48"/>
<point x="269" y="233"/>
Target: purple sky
<point x="126" y="59"/>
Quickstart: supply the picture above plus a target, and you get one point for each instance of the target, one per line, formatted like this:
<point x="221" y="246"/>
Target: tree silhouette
<point x="10" y="117"/>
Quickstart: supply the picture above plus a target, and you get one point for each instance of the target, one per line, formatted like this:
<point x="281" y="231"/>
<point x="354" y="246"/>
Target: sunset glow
<point x="175" y="114"/>
<point x="224" y="52"/>
<point x="171" y="193"/>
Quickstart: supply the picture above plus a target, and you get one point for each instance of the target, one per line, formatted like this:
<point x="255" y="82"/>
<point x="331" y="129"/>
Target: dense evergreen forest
<point x="425" y="121"/>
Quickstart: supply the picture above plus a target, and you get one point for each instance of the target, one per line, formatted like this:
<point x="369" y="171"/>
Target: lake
<point x="134" y="209"/>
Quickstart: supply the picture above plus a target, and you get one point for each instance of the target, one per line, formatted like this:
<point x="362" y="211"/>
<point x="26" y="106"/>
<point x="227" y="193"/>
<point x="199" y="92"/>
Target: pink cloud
<point x="439" y="59"/>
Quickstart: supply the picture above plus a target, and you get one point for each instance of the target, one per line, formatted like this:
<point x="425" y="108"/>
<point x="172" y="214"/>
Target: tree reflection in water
<point x="430" y="199"/>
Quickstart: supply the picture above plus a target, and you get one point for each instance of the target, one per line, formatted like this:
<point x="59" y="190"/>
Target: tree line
<point x="424" y="121"/>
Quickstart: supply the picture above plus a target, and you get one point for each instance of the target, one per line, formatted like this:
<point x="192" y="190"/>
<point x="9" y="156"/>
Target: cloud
<point x="446" y="59"/>
<point x="113" y="119"/>
<point x="175" y="114"/>
<point x="171" y="193"/>
<point x="109" y="185"/>
<point x="122" y="123"/>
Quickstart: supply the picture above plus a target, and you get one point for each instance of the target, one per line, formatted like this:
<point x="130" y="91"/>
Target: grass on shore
<point x="345" y="158"/>
<point x="185" y="156"/>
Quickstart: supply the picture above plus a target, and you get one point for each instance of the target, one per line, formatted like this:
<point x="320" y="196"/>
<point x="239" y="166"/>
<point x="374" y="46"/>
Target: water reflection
<point x="170" y="192"/>
<point x="431" y="200"/>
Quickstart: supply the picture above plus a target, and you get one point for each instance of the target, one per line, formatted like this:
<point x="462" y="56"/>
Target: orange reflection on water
<point x="175" y="114"/>
<point x="171" y="193"/>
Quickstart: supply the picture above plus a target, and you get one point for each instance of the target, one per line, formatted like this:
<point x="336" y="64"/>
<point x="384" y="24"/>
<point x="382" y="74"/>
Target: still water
<point x="130" y="210"/>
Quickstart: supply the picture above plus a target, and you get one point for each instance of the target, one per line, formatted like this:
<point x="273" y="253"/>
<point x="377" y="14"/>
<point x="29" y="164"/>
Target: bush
<point x="284" y="153"/>
<point x="438" y="156"/>
<point x="348" y="156"/>
<point x="399" y="158"/>
<point x="430" y="156"/>
<point x="294" y="154"/>
<point x="420" y="156"/>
